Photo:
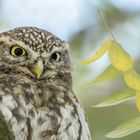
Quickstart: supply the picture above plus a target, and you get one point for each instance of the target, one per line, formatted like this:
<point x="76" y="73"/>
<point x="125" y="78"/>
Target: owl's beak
<point x="38" y="68"/>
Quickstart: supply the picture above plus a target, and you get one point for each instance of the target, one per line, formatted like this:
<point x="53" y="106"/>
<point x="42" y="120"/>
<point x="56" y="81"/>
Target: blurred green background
<point x="78" y="22"/>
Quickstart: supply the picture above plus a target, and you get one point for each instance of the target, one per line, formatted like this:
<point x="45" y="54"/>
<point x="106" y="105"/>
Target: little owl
<point x="36" y="96"/>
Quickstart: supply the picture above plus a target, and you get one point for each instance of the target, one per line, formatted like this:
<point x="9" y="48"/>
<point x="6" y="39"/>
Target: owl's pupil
<point x="54" y="56"/>
<point x="18" y="52"/>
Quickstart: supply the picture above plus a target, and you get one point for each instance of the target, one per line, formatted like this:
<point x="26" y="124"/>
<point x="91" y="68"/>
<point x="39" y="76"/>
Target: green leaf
<point x="125" y="129"/>
<point x="118" y="97"/>
<point x="109" y="73"/>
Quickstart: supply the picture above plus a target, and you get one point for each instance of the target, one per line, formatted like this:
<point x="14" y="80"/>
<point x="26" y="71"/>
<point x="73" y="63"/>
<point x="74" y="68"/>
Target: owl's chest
<point x="41" y="111"/>
<point x="33" y="120"/>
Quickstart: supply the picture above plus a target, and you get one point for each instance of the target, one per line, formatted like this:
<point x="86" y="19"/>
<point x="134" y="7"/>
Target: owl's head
<point x="33" y="52"/>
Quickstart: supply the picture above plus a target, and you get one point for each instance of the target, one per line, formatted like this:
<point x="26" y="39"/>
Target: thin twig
<point x="106" y="24"/>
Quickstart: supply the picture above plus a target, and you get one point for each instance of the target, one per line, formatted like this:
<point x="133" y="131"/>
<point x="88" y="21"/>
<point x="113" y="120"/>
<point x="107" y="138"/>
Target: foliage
<point x="121" y="64"/>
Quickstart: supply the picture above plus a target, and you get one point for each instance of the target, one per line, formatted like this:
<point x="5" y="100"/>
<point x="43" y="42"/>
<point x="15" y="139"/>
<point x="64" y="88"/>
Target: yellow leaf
<point x="125" y="129"/>
<point x="109" y="73"/>
<point x="119" y="57"/>
<point x="99" y="53"/>
<point x="132" y="79"/>
<point x="118" y="97"/>
<point x="138" y="100"/>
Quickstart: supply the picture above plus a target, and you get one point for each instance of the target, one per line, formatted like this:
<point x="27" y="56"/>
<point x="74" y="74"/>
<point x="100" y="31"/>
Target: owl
<point x="37" y="101"/>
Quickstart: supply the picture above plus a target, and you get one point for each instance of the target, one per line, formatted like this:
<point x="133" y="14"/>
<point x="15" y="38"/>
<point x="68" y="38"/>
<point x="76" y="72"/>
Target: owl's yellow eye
<point x="17" y="50"/>
<point x="56" y="56"/>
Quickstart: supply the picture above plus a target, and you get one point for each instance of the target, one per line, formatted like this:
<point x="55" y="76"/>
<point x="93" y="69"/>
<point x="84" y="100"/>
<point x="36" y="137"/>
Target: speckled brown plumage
<point x="36" y="95"/>
<point x="37" y="39"/>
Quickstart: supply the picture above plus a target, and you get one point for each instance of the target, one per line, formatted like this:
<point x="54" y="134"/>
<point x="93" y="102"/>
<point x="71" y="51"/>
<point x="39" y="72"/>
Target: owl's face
<point x="33" y="52"/>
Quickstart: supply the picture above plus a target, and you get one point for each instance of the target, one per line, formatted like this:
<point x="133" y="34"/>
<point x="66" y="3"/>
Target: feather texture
<point x="43" y="108"/>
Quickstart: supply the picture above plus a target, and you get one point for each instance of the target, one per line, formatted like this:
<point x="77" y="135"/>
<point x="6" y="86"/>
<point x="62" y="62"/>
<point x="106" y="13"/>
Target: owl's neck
<point x="39" y="92"/>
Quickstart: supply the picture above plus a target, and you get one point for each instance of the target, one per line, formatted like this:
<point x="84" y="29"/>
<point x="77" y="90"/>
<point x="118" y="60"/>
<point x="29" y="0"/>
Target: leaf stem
<point x="106" y="24"/>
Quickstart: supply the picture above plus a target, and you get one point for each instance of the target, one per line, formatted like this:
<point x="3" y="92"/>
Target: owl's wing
<point x="5" y="134"/>
<point x="86" y="133"/>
